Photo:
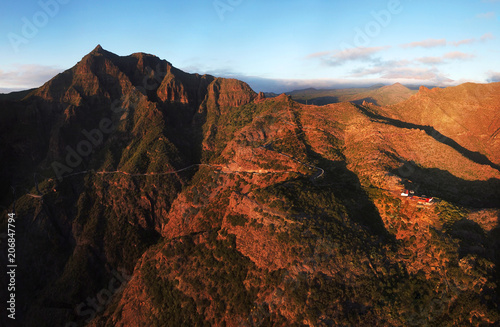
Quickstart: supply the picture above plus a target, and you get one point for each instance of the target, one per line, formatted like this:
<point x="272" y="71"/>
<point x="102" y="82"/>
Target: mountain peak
<point x="98" y="49"/>
<point x="376" y="86"/>
<point x="283" y="97"/>
<point x="396" y="87"/>
<point x="143" y="55"/>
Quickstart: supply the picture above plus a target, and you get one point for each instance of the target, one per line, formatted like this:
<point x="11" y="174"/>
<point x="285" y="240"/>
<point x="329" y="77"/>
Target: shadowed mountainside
<point x="431" y="131"/>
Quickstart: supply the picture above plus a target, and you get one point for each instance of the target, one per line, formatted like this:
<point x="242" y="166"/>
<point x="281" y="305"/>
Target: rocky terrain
<point x="147" y="196"/>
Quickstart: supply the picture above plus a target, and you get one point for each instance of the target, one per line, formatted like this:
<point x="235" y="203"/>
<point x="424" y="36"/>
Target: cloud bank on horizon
<point x="276" y="47"/>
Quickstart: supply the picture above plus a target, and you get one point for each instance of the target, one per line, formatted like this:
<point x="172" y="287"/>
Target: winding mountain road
<point x="320" y="172"/>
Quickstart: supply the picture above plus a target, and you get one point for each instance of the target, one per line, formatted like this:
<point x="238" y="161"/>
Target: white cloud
<point x="493" y="77"/>
<point x="428" y="76"/>
<point x="429" y="43"/>
<point x="24" y="77"/>
<point x="363" y="72"/>
<point x="454" y="55"/>
<point x="318" y="54"/>
<point x="457" y="55"/>
<point x="430" y="60"/>
<point x="338" y="58"/>
<point x="406" y="71"/>
<point x="410" y="73"/>
<point x="462" y="42"/>
<point x="487" y="36"/>
<point x="357" y="53"/>
<point x="487" y="15"/>
<point x="379" y="67"/>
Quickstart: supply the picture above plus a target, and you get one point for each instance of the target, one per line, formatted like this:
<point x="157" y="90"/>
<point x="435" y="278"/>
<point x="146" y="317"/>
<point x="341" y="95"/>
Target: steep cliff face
<point x="147" y="196"/>
<point x="226" y="93"/>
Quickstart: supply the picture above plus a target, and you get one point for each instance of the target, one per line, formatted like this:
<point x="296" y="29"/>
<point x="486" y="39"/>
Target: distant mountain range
<point x="378" y="94"/>
<point x="15" y="95"/>
<point x="148" y="196"/>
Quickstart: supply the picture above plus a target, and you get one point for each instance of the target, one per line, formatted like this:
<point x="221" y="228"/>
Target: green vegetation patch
<point x="237" y="220"/>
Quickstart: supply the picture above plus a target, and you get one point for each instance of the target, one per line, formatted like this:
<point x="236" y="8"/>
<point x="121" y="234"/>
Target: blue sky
<point x="273" y="45"/>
